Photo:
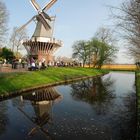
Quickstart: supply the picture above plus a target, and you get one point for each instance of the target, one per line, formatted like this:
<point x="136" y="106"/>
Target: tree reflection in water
<point x="42" y="102"/>
<point x="96" y="91"/>
<point x="117" y="111"/>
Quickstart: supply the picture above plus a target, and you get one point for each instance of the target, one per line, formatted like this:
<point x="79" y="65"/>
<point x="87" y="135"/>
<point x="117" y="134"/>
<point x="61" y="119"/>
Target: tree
<point x="6" y="53"/>
<point x="16" y="39"/>
<point x="106" y="35"/>
<point x="103" y="47"/>
<point x="81" y="51"/>
<point x="3" y="21"/>
<point x="94" y="48"/>
<point x="102" y="52"/>
<point x="97" y="51"/>
<point x="128" y="21"/>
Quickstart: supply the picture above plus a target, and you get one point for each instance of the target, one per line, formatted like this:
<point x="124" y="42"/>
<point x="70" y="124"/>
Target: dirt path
<point x="8" y="69"/>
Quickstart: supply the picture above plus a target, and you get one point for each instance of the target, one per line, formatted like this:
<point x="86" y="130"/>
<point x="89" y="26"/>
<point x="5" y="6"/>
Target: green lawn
<point x="17" y="81"/>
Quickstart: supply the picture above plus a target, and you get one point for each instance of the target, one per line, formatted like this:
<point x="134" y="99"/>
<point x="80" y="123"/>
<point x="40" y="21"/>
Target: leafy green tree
<point x="94" y="51"/>
<point x="81" y="51"/>
<point x="102" y="52"/>
<point x="103" y="47"/>
<point x="6" y="53"/>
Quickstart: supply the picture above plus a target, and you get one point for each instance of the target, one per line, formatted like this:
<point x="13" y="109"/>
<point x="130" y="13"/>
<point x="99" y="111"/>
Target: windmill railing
<point x="44" y="39"/>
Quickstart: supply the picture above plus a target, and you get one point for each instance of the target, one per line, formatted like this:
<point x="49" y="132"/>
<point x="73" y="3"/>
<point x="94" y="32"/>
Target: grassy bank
<point x="17" y="81"/>
<point x="138" y="103"/>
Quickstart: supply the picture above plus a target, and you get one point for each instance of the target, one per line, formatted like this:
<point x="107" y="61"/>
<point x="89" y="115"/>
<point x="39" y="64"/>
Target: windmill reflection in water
<point x="42" y="101"/>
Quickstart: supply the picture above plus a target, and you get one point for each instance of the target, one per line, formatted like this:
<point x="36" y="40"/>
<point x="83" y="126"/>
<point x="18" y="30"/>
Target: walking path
<point x="7" y="68"/>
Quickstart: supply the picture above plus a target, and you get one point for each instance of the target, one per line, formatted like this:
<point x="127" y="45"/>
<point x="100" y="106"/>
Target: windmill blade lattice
<point x="23" y="26"/>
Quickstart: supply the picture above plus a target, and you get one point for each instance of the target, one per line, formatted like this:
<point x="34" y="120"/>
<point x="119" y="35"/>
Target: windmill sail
<point x="48" y="6"/>
<point x="22" y="27"/>
<point x="35" y="5"/>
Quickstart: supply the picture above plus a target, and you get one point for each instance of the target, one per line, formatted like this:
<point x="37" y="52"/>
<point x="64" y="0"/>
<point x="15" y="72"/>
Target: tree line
<point x="97" y="51"/>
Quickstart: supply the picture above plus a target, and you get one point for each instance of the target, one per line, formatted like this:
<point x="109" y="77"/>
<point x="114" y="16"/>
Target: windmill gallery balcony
<point x="42" y="48"/>
<point x="41" y="45"/>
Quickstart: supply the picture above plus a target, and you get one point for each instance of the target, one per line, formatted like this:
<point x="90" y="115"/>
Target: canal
<point x="102" y="108"/>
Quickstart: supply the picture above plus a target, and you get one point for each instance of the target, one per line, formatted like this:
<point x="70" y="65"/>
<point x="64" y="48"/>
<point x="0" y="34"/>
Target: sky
<point x="75" y="20"/>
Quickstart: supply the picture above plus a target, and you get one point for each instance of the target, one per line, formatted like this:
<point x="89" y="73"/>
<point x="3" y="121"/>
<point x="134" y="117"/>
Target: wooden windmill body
<point x="42" y="44"/>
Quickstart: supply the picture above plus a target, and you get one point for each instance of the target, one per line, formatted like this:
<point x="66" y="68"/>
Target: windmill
<point x="42" y="44"/>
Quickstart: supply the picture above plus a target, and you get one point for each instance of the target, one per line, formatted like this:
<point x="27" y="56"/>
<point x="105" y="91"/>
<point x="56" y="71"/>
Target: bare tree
<point x="81" y="51"/>
<point x="106" y="35"/>
<point x="128" y="21"/>
<point x="17" y="38"/>
<point x="3" y="21"/>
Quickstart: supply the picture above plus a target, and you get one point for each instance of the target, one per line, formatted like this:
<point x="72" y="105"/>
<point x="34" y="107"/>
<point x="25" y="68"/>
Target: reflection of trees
<point x="120" y="112"/>
<point x="42" y="102"/>
<point x="95" y="91"/>
<point x="3" y="117"/>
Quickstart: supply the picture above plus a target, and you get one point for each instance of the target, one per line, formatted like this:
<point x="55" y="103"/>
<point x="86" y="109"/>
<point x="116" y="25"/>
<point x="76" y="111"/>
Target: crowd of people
<point x="35" y="64"/>
<point x="31" y="64"/>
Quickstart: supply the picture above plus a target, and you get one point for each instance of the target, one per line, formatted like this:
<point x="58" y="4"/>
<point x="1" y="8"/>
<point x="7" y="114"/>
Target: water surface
<point x="100" y="108"/>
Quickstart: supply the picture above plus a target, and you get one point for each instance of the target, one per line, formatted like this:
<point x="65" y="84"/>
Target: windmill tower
<point x="42" y="44"/>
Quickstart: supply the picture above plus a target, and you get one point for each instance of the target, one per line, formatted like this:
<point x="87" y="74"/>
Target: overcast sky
<point x="75" y="20"/>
